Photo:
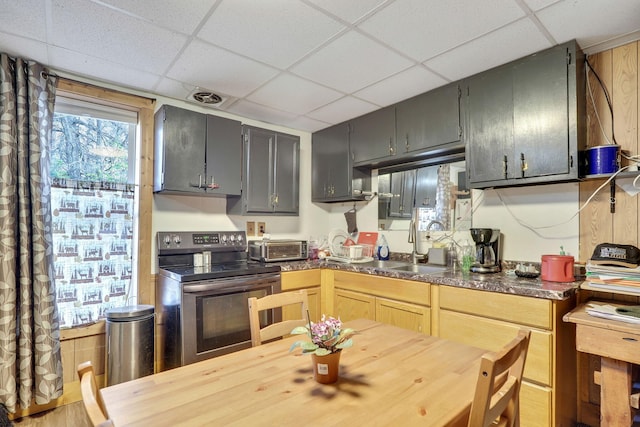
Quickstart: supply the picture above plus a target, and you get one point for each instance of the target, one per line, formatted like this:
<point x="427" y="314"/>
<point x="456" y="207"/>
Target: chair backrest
<point x="91" y="396"/>
<point x="280" y="329"/>
<point x="498" y="387"/>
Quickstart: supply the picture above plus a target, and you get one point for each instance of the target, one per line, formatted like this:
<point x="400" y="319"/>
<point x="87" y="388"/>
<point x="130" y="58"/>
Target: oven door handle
<point x="230" y="284"/>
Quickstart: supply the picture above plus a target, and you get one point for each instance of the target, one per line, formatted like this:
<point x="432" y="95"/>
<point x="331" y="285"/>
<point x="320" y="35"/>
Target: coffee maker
<point x="487" y="257"/>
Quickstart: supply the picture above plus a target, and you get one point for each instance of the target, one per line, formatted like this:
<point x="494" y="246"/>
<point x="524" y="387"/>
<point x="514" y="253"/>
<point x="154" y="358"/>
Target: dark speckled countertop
<point x="494" y="282"/>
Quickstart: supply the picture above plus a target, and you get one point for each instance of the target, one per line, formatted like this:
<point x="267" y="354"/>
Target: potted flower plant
<point x="328" y="338"/>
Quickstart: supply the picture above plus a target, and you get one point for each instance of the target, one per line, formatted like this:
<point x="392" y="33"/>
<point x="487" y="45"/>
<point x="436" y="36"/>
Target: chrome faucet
<point x="413" y="237"/>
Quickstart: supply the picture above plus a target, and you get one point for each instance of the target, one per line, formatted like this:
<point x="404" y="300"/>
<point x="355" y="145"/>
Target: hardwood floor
<point x="72" y="414"/>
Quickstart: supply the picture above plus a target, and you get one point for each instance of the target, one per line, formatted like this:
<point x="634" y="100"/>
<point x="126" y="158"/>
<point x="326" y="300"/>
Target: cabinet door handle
<point x="391" y="149"/>
<point x="406" y="143"/>
<point x="213" y="184"/>
<point x="523" y="164"/>
<point x="504" y="166"/>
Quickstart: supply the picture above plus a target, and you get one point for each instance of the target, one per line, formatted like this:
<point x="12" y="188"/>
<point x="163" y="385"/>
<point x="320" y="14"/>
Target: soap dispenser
<point x="383" y="248"/>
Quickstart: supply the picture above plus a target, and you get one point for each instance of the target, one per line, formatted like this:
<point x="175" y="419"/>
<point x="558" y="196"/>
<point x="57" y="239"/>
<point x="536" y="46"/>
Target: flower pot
<point x="325" y="368"/>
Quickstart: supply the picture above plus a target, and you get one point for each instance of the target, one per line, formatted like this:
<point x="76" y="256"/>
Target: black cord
<point x="606" y="95"/>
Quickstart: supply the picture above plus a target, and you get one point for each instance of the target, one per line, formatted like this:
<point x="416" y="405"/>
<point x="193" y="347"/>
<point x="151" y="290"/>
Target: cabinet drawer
<point x="397" y="289"/>
<point x="535" y="405"/>
<point x="493" y="335"/>
<point x="408" y="316"/>
<point x="291" y="280"/>
<point x="608" y="343"/>
<point x="512" y="308"/>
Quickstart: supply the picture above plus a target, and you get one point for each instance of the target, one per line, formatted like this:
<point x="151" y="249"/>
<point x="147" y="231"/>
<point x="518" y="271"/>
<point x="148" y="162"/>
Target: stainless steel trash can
<point x="129" y="343"/>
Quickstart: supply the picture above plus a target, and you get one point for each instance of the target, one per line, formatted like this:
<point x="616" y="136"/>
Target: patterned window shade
<point x="93" y="238"/>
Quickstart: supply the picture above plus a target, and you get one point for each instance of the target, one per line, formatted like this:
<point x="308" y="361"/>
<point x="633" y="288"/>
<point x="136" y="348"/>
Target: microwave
<point x="277" y="250"/>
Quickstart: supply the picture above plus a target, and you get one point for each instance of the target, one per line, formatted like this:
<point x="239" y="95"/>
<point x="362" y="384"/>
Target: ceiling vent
<point x="207" y="98"/>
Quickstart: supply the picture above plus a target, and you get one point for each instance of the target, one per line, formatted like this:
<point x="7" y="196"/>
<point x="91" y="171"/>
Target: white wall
<point x="534" y="221"/>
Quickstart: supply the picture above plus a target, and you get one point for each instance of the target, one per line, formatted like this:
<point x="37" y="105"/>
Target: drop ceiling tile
<point x="293" y="94"/>
<point x="403" y="85"/>
<point x="539" y="4"/>
<point x="24" y="47"/>
<point x="425" y="28"/>
<point x="217" y="69"/>
<point x="259" y="112"/>
<point x="350" y="11"/>
<point x="99" y="69"/>
<point x="174" y="89"/>
<point x="351" y="63"/>
<point x="278" y="33"/>
<point x="99" y="31"/>
<point x="24" y="18"/>
<point x="307" y="124"/>
<point x="590" y="21"/>
<point x="499" y="47"/>
<point x="171" y="14"/>
<point x="342" y="109"/>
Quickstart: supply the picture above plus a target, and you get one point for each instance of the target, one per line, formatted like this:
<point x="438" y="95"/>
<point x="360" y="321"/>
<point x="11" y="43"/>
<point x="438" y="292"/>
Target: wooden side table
<point x="618" y="345"/>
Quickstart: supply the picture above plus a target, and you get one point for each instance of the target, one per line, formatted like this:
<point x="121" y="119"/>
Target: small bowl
<point x="527" y="274"/>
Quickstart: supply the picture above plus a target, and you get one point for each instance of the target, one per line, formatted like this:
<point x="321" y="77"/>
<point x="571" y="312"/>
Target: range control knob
<point x="224" y="238"/>
<point x="232" y="238"/>
<point x="240" y="239"/>
<point x="167" y="240"/>
<point x="177" y="240"/>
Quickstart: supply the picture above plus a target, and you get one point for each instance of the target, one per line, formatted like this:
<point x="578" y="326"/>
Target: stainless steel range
<point x="204" y="281"/>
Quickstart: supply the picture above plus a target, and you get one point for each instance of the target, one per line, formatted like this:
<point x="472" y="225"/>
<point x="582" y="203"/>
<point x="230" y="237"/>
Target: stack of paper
<point x="610" y="278"/>
<point x="607" y="311"/>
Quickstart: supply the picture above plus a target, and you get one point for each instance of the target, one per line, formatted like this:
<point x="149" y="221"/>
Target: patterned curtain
<point x="30" y="362"/>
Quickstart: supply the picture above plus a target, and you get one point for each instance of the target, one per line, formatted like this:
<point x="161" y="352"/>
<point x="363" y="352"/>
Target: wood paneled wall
<point x="618" y="70"/>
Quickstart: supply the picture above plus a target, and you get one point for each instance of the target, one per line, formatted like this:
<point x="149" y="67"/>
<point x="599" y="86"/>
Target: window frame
<point x="144" y="107"/>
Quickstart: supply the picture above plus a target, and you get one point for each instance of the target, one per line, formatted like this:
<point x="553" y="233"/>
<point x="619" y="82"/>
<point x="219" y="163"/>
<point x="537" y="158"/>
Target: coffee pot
<point x="487" y="256"/>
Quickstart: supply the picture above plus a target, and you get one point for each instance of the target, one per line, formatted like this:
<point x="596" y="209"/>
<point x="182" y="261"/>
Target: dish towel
<point x="350" y="216"/>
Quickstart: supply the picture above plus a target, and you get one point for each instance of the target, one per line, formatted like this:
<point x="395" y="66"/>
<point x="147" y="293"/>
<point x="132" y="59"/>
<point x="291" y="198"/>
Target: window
<point x="94" y="199"/>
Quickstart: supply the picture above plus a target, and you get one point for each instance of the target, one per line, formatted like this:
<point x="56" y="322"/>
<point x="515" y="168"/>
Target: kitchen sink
<point x="385" y="264"/>
<point x="420" y="268"/>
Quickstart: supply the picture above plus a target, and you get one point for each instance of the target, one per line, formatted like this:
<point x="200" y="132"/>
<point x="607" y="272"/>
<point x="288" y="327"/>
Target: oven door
<point x="215" y="315"/>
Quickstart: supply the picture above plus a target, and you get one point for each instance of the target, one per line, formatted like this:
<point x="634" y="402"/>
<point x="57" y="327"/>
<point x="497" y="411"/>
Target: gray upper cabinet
<point x="525" y="121"/>
<point x="223" y="156"/>
<point x="403" y="186"/>
<point x="429" y="120"/>
<point x="373" y="137"/>
<point x="196" y="153"/>
<point x="426" y="187"/>
<point x="334" y="179"/>
<point x="270" y="174"/>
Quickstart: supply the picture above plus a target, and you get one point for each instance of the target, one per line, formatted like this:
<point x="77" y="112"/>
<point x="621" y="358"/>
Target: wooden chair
<point x="280" y="329"/>
<point x="496" y="401"/>
<point x="91" y="396"/>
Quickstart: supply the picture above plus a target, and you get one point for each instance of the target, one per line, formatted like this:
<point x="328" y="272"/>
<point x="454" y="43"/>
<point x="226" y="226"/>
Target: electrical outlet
<point x="261" y="228"/>
<point x="251" y="228"/>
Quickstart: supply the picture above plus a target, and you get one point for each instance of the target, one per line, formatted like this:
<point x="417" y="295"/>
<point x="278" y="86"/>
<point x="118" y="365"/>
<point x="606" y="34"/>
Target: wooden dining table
<point x="390" y="376"/>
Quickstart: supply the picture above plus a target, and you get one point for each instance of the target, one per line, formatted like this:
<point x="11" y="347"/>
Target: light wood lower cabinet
<point x="490" y="320"/>
<point x="402" y="303"/>
<point x="494" y="334"/>
<point x="353" y="305"/>
<point x="408" y="316"/>
<point x="303" y="279"/>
